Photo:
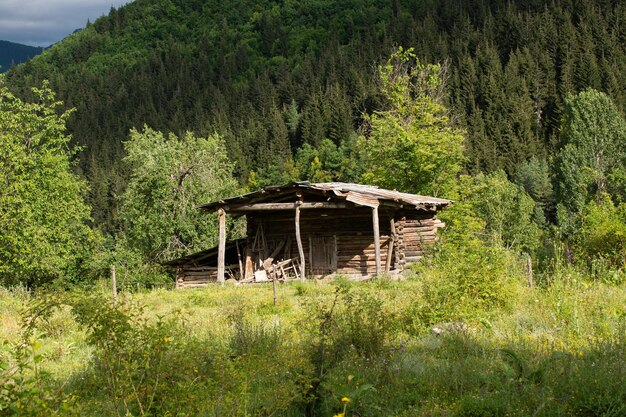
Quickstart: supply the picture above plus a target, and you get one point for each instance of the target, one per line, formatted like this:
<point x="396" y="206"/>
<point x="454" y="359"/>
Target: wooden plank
<point x="299" y="242"/>
<point x="376" y="238"/>
<point x="241" y="270"/>
<point x="357" y="257"/>
<point x="249" y="264"/>
<point x="392" y="227"/>
<point x="285" y="206"/>
<point x="413" y="258"/>
<point x="221" y="251"/>
<point x="199" y="268"/>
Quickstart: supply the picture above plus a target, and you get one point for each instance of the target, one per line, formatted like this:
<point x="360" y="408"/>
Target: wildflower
<point x="350" y="377"/>
<point x="166" y="339"/>
<point x="339" y="415"/>
<point x="345" y="400"/>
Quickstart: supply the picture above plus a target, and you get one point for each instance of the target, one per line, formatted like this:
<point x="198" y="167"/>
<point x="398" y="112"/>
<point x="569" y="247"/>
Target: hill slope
<point x="14" y="53"/>
<point x="272" y="76"/>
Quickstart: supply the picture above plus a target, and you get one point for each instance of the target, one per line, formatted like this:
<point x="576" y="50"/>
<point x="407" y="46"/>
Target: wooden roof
<point x="199" y="257"/>
<point x="355" y="194"/>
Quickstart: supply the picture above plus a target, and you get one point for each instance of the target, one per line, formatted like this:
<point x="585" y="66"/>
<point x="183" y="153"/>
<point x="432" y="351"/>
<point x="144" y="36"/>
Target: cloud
<point x="44" y="22"/>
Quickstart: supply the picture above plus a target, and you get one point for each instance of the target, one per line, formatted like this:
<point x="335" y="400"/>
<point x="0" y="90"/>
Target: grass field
<point x="357" y="349"/>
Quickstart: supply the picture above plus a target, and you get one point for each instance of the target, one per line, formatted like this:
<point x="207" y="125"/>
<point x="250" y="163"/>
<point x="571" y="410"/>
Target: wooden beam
<point x="376" y="238"/>
<point x="299" y="242"/>
<point x="285" y="206"/>
<point x="221" y="249"/>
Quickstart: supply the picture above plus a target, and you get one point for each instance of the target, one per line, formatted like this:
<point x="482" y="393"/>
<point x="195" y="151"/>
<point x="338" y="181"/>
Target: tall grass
<point x="363" y="348"/>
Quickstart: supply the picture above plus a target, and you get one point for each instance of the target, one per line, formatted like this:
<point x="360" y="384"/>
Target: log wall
<point x="353" y="233"/>
<point x="346" y="234"/>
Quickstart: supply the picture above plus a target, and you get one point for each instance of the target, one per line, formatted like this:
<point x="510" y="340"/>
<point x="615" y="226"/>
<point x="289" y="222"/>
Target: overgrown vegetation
<point x="500" y="347"/>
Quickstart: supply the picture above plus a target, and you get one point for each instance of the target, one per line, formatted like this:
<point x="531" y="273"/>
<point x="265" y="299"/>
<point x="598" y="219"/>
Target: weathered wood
<point x="358" y="257"/>
<point x="198" y="268"/>
<point x="390" y="242"/>
<point x="420" y="233"/>
<point x="197" y="274"/>
<point x="241" y="270"/>
<point x="268" y="262"/>
<point x="376" y="238"/>
<point x="299" y="241"/>
<point x="413" y="258"/>
<point x="274" y="286"/>
<point x="249" y="264"/>
<point x="221" y="251"/>
<point x="285" y="206"/>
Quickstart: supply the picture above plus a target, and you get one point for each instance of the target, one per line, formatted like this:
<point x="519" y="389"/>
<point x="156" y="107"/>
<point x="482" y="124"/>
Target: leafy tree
<point x="170" y="175"/>
<point x="602" y="234"/>
<point x="593" y="147"/>
<point x="507" y="211"/>
<point x="490" y="210"/>
<point x="411" y="146"/>
<point x="43" y="214"/>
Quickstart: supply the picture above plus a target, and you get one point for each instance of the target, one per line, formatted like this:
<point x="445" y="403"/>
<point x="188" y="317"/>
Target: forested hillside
<point x="274" y="77"/>
<point x="513" y="109"/>
<point x="12" y="53"/>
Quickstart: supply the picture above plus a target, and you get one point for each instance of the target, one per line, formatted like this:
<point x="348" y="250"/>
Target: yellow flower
<point x="166" y="339"/>
<point x="350" y="378"/>
<point x="345" y="400"/>
<point x="338" y="415"/>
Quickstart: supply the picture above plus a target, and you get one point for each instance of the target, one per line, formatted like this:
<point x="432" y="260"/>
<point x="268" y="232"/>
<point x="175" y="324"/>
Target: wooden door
<point x="322" y="255"/>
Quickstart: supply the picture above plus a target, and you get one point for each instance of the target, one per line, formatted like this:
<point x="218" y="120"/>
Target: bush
<point x="602" y="234"/>
<point x="460" y="284"/>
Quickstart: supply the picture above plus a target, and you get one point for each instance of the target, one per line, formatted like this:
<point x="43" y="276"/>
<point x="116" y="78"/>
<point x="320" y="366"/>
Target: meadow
<point x="452" y="339"/>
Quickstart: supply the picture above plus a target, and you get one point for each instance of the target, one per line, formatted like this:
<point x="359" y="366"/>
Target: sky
<point x="44" y="22"/>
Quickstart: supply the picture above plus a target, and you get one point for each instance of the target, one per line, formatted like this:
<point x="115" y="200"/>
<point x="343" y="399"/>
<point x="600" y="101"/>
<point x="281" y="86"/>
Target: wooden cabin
<point x="303" y="230"/>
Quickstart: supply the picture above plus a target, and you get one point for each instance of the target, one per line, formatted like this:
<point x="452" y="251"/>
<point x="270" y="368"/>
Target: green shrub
<point x="602" y="234"/>
<point x="460" y="284"/>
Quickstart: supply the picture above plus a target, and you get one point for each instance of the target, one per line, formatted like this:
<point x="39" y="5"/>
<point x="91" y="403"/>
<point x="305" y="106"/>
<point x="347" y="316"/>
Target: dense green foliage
<point x="169" y="176"/>
<point x="410" y="146"/>
<point x="12" y="54"/>
<point x="43" y="216"/>
<point x="274" y="77"/>
<point x="592" y="157"/>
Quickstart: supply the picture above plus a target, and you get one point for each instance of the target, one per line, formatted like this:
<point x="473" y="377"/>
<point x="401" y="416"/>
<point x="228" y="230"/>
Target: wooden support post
<point x="376" y="238"/>
<point x="392" y="239"/>
<point x="274" y="286"/>
<point x="299" y="242"/>
<point x="249" y="264"/>
<point x="221" y="249"/>
<point x="241" y="271"/>
<point x="114" y="284"/>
